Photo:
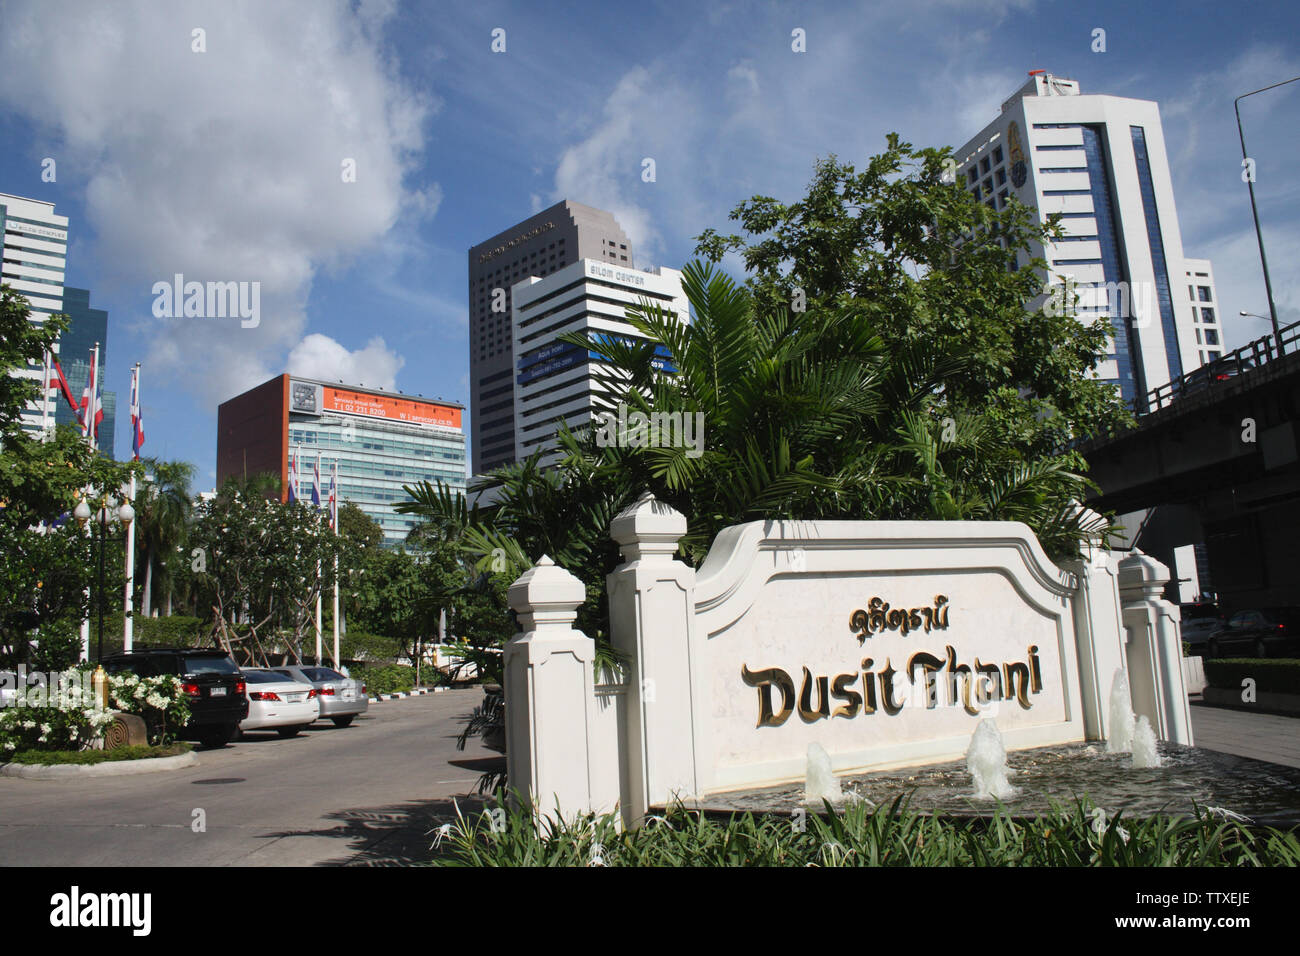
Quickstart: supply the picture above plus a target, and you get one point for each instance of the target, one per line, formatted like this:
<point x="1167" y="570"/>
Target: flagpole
<point x="93" y="388"/>
<point x="316" y="488"/>
<point x="128" y="620"/>
<point x="45" y="396"/>
<point x="334" y="521"/>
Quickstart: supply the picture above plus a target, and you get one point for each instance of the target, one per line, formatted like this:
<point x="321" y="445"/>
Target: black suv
<point x="212" y="680"/>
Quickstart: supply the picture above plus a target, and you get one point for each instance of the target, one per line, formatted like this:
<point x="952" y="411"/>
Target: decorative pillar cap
<point x="648" y="528"/>
<point x="1140" y="570"/>
<point x="546" y="594"/>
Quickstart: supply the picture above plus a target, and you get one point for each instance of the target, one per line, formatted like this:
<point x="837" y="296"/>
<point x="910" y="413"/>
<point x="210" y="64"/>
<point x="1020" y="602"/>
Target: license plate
<point x="294" y="698"/>
<point x="217" y="692"/>
<point x="349" y="695"/>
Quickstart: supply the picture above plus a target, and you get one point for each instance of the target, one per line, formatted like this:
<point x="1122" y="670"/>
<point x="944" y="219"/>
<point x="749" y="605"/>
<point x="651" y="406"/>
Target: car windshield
<point x="322" y="673"/>
<point x="264" y="677"/>
<point x="210" y="665"/>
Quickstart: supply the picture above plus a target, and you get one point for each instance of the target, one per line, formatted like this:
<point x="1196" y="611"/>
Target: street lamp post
<point x="103" y="517"/>
<point x="1254" y="210"/>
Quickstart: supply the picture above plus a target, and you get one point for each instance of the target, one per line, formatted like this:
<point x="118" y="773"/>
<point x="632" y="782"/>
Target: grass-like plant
<point x="82" y="757"/>
<point x="1080" y="834"/>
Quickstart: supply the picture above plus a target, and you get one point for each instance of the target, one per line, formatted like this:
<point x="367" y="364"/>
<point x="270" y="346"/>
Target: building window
<point x="997" y="155"/>
<point x="1213" y="354"/>
<point x="1204" y="291"/>
<point x="1002" y="177"/>
<point x="1211" y="337"/>
<point x="972" y="174"/>
<point x="984" y="165"/>
<point x="1207" y="314"/>
<point x="1155" y="240"/>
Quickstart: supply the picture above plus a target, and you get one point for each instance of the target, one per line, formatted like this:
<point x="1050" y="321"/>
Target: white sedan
<point x="277" y="703"/>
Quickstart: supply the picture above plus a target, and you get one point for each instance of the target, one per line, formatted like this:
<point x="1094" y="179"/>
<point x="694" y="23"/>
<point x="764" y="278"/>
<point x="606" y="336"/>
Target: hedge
<point x="1280" y="676"/>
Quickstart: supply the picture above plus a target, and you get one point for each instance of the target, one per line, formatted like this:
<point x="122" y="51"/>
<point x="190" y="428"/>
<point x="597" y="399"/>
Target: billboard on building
<point x="348" y="402"/>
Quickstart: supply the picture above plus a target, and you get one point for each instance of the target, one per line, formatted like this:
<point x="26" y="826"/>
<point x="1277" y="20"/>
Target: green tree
<point x="255" y="564"/>
<point x="926" y="263"/>
<point x="162" y="509"/>
<point x="46" y="561"/>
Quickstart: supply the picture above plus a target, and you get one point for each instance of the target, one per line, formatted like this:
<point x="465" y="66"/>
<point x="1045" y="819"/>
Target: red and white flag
<point x="92" y="409"/>
<point x="59" y="380"/>
<point x="137" y="421"/>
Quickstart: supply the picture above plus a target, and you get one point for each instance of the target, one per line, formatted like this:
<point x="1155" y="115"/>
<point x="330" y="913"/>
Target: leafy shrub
<point x="387" y="679"/>
<point x="159" y="701"/>
<point x="65" y="716"/>
<point x="1279" y="676"/>
<point x="869" y="836"/>
<point x="363" y="646"/>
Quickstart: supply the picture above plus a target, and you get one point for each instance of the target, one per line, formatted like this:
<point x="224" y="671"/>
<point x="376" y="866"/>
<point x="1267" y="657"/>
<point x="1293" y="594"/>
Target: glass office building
<point x="380" y="441"/>
<point x="86" y="326"/>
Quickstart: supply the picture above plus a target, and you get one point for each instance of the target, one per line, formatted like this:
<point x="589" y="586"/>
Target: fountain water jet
<point x="1120" y="738"/>
<point x="987" y="762"/>
<point x="1145" y="752"/>
<point x="820" y="783"/>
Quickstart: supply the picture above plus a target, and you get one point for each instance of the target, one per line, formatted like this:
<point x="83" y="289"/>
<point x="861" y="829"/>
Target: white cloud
<point x="319" y="356"/>
<point x="224" y="165"/>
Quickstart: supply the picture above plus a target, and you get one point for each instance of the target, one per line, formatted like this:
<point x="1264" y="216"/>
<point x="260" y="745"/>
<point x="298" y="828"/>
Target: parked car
<point x="341" y="698"/>
<point x="278" y="703"/>
<point x="211" y="679"/>
<point x="1261" y="632"/>
<point x="1197" y="633"/>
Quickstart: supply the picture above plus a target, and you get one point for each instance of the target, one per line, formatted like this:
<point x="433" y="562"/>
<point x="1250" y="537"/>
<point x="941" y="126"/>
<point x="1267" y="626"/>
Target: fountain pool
<point x="1266" y="793"/>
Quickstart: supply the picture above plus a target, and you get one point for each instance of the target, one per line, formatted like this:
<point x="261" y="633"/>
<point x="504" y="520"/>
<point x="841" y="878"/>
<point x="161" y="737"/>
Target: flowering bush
<point x="62" y="716"/>
<point x="63" y="713"/>
<point x="160" y="701"/>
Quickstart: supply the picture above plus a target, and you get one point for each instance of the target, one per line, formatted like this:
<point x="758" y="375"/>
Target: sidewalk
<point x="1261" y="736"/>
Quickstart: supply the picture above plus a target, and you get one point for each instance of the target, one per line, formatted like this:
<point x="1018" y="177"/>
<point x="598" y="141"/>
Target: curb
<point x="418" y="692"/>
<point x="109" y="768"/>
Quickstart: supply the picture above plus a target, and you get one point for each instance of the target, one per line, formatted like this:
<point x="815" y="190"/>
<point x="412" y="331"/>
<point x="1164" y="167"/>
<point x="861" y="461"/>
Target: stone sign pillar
<point x="652" y="620"/>
<point x="1155" y="652"/>
<point x="1099" y="623"/>
<point x="550" y="698"/>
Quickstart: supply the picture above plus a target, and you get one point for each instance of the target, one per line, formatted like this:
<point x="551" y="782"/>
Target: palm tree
<point x="162" y="510"/>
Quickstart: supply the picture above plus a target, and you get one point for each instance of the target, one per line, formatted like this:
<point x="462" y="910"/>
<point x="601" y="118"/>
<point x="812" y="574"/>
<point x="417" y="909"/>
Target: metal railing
<point x="1242" y="361"/>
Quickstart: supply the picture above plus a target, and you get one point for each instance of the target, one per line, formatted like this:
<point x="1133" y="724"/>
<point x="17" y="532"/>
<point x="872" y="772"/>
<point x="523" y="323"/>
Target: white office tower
<point x="1199" y="278"/>
<point x="35" y="254"/>
<point x="1100" y="162"/>
<point x="556" y="381"/>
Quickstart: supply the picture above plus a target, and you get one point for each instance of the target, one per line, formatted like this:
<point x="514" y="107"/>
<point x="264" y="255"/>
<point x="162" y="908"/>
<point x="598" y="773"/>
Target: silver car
<point x="341" y="698"/>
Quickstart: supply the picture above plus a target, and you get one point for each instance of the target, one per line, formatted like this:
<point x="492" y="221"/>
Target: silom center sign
<point x="877" y="688"/>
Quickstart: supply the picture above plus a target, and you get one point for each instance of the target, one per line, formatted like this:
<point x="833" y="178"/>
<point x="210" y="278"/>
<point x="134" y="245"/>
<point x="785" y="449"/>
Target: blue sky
<point x="225" y="164"/>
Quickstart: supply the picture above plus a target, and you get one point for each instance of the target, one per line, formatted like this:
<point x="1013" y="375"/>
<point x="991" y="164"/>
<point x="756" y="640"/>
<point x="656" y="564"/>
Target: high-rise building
<point x="555" y="381"/>
<point x="1100" y="162"/>
<point x="1199" y="277"/>
<point x="35" y="257"/>
<point x="380" y="440"/>
<point x="540" y="245"/>
<point x="86" y="326"/>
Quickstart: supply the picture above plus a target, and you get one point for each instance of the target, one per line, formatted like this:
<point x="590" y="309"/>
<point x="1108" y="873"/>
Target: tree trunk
<point x="147" y="601"/>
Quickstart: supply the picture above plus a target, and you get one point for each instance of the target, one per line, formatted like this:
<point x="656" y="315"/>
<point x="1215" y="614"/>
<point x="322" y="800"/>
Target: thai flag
<point x="293" y="476"/>
<point x="333" y="498"/>
<point x="61" y="381"/>
<point x="315" y="483"/>
<point x="137" y="421"/>
<point x="92" y="409"/>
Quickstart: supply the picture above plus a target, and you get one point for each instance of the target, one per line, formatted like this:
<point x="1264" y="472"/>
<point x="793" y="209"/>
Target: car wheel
<point x="220" y="736"/>
<point x="289" y="731"/>
<point x="343" y="721"/>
